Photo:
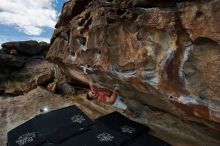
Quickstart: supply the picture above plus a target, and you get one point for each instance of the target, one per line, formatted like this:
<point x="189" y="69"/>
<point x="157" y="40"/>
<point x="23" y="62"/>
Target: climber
<point x="103" y="95"/>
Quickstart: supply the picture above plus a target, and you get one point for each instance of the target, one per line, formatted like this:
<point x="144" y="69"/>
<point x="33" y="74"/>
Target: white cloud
<point x="39" y="39"/>
<point x="29" y="16"/>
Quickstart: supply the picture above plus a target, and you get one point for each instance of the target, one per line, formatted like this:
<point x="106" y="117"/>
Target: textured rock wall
<point x="163" y="54"/>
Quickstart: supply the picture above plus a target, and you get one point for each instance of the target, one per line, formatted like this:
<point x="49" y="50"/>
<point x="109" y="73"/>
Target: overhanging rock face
<point x="161" y="54"/>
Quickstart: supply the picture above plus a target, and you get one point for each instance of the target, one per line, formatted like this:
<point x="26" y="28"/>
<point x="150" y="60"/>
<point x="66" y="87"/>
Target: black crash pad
<point x="58" y="125"/>
<point x="52" y="127"/>
<point x="49" y="144"/>
<point x="96" y="136"/>
<point x="24" y="135"/>
<point x="123" y="125"/>
<point x="71" y="127"/>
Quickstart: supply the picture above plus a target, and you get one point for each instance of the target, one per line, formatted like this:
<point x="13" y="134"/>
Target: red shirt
<point x="101" y="93"/>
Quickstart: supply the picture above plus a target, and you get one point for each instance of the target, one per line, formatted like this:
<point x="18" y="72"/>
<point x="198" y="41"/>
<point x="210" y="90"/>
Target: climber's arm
<point x="112" y="98"/>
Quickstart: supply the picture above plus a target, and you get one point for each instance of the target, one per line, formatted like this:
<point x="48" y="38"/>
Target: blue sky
<point x="28" y="19"/>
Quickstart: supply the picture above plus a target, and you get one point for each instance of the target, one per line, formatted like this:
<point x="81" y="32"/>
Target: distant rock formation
<point x="162" y="54"/>
<point x="23" y="67"/>
<point x="22" y="61"/>
<point x="25" y="47"/>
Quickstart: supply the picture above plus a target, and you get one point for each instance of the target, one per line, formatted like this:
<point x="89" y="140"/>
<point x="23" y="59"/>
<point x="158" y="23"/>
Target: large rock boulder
<point x="42" y="79"/>
<point x="22" y="62"/>
<point x="31" y="68"/>
<point x="10" y="61"/>
<point x="64" y="88"/>
<point x="161" y="54"/>
<point x="25" y="47"/>
<point x="12" y="92"/>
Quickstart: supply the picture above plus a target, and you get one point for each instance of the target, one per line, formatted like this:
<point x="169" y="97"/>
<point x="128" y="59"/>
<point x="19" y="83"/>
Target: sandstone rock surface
<point x="201" y="19"/>
<point x="164" y="55"/>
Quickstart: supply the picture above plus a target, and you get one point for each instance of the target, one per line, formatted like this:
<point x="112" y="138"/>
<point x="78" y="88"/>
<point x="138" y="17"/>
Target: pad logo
<point x="26" y="138"/>
<point x="127" y="129"/>
<point x="77" y="118"/>
<point x="105" y="137"/>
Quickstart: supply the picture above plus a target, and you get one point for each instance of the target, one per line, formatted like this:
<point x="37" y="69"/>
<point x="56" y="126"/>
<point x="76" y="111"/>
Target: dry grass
<point x="12" y="84"/>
